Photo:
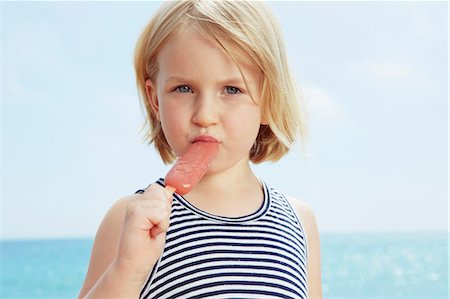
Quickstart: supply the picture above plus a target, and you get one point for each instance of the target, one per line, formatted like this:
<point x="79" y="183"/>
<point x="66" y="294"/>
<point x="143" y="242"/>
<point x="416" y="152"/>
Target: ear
<point x="152" y="97"/>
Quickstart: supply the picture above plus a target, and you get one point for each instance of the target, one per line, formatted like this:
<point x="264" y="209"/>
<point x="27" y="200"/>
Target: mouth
<point x="204" y="138"/>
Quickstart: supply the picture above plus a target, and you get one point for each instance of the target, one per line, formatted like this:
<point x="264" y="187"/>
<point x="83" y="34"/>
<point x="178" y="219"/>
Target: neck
<point x="233" y="193"/>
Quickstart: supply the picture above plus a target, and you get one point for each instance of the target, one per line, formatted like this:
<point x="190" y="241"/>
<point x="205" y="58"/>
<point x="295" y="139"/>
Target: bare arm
<point x="105" y="247"/>
<point x="128" y="243"/>
<point x="312" y="233"/>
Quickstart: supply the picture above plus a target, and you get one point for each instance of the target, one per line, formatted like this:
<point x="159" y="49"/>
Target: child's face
<point x="199" y="91"/>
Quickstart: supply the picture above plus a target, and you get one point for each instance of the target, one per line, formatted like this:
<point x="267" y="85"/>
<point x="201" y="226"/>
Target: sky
<point x="373" y="74"/>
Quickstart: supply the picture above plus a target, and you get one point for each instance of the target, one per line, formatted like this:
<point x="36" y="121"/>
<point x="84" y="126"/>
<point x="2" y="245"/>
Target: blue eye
<point x="183" y="89"/>
<point x="232" y="90"/>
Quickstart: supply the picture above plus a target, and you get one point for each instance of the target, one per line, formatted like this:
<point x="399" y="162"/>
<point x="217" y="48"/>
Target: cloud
<point x="322" y="106"/>
<point x="400" y="72"/>
<point x="391" y="70"/>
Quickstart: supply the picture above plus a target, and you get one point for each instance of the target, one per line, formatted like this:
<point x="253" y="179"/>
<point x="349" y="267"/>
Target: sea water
<point x="413" y="265"/>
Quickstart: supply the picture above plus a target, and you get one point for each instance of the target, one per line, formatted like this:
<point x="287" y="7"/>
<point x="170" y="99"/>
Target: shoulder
<point x="118" y="209"/>
<point x="301" y="209"/>
<point x="111" y="225"/>
<point x="308" y="219"/>
<point x="109" y="231"/>
<point x="304" y="212"/>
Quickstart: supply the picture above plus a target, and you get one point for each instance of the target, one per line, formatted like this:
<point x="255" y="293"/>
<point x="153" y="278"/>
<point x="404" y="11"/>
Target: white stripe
<point x="256" y="232"/>
<point x="302" y="227"/>
<point x="291" y="226"/>
<point x="234" y="244"/>
<point x="184" y="271"/>
<point x="285" y="219"/>
<point x="257" y="260"/>
<point x="225" y="281"/>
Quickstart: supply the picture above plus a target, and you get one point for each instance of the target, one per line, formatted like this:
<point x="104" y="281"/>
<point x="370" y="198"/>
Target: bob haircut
<point x="245" y="30"/>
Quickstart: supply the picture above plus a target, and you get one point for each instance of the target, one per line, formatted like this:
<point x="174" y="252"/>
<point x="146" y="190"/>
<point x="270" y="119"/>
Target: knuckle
<point x="133" y="208"/>
<point x="153" y="188"/>
<point x="158" y="198"/>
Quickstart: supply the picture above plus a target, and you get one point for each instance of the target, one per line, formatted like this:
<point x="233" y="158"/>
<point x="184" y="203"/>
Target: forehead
<point x="189" y="49"/>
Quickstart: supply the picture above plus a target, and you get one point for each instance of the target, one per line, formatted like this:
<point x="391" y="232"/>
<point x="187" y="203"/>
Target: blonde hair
<point x="245" y="30"/>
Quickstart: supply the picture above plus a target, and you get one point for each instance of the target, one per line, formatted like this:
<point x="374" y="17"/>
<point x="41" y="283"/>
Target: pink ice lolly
<point x="191" y="166"/>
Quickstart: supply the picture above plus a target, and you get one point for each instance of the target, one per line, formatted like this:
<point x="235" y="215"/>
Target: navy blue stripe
<point x="180" y="216"/>
<point x="213" y="228"/>
<point x="230" y="243"/>
<point x="249" y="229"/>
<point x="280" y="220"/>
<point x="239" y="251"/>
<point x="290" y="217"/>
<point x="232" y="282"/>
<point x="260" y="292"/>
<point x="246" y="236"/>
<point x="300" y="225"/>
<point x="228" y="283"/>
<point x="298" y="236"/>
<point x="259" y="213"/>
<point x="253" y="235"/>
<point x="276" y="221"/>
<point x="289" y="225"/>
<point x="230" y="266"/>
<point x="148" y="281"/>
<point x="281" y="210"/>
<point x="176" y="208"/>
<point x="225" y="259"/>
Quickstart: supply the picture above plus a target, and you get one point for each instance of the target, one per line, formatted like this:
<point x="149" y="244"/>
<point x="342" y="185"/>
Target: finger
<point x="145" y="218"/>
<point x="170" y="190"/>
<point x="157" y="221"/>
<point x="151" y="203"/>
<point x="161" y="227"/>
<point x="155" y="190"/>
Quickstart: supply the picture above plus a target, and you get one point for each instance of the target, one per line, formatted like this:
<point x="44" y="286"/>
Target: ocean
<point x="375" y="265"/>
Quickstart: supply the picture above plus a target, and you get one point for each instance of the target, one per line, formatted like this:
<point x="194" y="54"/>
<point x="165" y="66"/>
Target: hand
<point x="144" y="231"/>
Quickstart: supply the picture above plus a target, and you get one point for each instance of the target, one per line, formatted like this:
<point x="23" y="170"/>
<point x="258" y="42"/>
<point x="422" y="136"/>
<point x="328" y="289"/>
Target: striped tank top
<point x="262" y="255"/>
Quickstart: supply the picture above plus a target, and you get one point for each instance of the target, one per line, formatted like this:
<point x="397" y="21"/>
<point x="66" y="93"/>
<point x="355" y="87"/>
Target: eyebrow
<point x="222" y="82"/>
<point x="176" y="79"/>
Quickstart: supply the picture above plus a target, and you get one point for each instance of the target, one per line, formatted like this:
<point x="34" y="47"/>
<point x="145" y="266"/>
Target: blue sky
<point x="374" y="75"/>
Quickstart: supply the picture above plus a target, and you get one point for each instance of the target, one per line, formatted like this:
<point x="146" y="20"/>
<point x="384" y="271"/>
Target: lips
<point x="204" y="138"/>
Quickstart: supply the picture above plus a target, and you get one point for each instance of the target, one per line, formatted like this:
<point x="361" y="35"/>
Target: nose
<point x="206" y="112"/>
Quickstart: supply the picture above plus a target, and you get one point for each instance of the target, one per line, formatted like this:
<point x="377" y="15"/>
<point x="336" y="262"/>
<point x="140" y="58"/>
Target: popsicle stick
<point x="170" y="189"/>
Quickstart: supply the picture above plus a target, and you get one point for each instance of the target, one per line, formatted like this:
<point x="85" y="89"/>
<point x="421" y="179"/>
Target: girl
<point x="212" y="70"/>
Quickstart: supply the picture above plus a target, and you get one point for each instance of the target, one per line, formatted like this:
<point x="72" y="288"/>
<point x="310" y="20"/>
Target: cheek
<point x="245" y="127"/>
<point x="172" y="122"/>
